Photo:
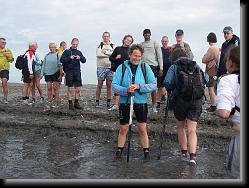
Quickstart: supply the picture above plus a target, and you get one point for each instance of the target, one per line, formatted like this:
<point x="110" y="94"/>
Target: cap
<point x="179" y="32"/>
<point x="146" y="31"/>
<point x="211" y="38"/>
<point x="227" y="29"/>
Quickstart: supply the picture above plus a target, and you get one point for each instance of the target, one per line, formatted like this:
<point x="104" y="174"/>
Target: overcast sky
<point x="57" y="20"/>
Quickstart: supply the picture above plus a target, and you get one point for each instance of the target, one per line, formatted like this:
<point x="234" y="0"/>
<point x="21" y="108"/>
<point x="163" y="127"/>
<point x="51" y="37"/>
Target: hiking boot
<point x="154" y="109"/>
<point x="97" y="105"/>
<point x="146" y="155"/>
<point x="108" y="105"/>
<point x="114" y="107"/>
<point x="71" y="106"/>
<point x="77" y="105"/>
<point x="118" y="153"/>
<point x="5" y="101"/>
<point x="211" y="109"/>
<point x="193" y="160"/>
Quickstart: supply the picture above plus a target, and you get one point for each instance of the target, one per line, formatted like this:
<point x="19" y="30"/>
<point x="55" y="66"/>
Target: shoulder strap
<point x="101" y="45"/>
<point x="123" y="71"/>
<point x="144" y="71"/>
<point x="112" y="45"/>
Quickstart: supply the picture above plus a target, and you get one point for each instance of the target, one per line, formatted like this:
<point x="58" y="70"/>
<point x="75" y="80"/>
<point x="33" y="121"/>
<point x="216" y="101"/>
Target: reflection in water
<point x="66" y="153"/>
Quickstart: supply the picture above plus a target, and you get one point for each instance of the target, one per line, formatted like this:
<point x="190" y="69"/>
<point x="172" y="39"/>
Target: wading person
<point x="52" y="71"/>
<point x="104" y="72"/>
<point x="188" y="100"/>
<point x="152" y="56"/>
<point x="6" y="58"/>
<point x="132" y="80"/>
<point x="228" y="106"/>
<point x="211" y="59"/>
<point x="70" y="60"/>
<point x="119" y="55"/>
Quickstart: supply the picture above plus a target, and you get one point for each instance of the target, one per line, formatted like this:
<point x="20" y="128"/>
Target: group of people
<point x="139" y="69"/>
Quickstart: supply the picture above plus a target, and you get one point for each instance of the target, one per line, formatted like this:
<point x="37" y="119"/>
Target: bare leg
<point x="182" y="137"/>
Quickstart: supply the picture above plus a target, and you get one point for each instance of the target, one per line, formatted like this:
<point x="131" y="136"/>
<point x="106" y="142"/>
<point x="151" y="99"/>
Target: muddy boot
<point x="77" y="104"/>
<point x="146" y="154"/>
<point x="71" y="107"/>
<point x="118" y="153"/>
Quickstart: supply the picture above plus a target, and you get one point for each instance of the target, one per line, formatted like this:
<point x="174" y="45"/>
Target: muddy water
<point x="51" y="153"/>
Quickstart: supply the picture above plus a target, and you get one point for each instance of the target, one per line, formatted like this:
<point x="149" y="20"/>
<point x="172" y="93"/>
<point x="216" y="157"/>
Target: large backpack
<point x="19" y="64"/>
<point x="190" y="84"/>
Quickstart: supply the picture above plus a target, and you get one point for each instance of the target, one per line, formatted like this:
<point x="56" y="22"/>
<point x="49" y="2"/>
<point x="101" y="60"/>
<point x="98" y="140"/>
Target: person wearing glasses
<point x="231" y="41"/>
<point x="6" y="58"/>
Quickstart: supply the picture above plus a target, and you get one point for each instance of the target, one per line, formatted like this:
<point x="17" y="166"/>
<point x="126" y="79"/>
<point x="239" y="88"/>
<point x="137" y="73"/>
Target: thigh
<point x="141" y="112"/>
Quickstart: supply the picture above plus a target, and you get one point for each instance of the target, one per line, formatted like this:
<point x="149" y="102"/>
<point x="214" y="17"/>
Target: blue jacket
<point x="225" y="46"/>
<point x="122" y="88"/>
<point x="71" y="64"/>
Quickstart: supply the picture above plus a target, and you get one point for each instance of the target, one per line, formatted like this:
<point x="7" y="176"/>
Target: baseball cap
<point x="146" y="31"/>
<point x="179" y="32"/>
<point x="227" y="29"/>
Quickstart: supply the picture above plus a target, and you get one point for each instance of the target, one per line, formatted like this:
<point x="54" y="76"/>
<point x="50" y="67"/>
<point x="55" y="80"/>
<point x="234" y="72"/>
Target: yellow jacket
<point x="6" y="57"/>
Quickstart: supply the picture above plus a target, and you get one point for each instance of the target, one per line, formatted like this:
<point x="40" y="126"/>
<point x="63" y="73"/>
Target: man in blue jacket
<point x="231" y="41"/>
<point x="70" y="60"/>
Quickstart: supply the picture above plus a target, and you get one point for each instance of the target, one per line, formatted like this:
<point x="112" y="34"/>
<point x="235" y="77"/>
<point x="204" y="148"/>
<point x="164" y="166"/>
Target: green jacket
<point x="6" y="57"/>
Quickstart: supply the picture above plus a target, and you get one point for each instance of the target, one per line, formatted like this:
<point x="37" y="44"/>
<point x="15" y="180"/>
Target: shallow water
<point x="50" y="153"/>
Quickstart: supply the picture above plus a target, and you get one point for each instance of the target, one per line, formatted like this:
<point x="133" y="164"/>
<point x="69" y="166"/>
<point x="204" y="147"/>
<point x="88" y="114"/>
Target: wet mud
<point x="56" y="143"/>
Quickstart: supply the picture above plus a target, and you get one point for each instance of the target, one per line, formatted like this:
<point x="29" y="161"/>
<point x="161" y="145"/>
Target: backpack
<point x="143" y="70"/>
<point x="190" y="84"/>
<point x="19" y="64"/>
<point x="102" y="44"/>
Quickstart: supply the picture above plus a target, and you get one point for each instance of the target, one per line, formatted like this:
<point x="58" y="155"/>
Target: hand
<point x="77" y="56"/>
<point x="72" y="57"/>
<point x="118" y="56"/>
<point x="133" y="87"/>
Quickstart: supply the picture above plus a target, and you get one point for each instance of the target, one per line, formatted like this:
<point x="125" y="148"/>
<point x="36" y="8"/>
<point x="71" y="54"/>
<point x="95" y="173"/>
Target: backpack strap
<point x="123" y="71"/>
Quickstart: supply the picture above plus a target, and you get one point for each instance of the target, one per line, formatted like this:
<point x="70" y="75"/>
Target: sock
<point x="121" y="149"/>
<point x="27" y="97"/>
<point x="23" y="98"/>
<point x="97" y="101"/>
<point x="192" y="155"/>
<point x="70" y="101"/>
<point x="146" y="150"/>
<point x="33" y="99"/>
<point x="76" y="100"/>
<point x="184" y="151"/>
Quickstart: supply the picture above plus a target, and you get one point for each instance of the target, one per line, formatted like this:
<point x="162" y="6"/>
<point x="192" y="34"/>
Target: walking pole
<point x="130" y="124"/>
<point x="164" y="127"/>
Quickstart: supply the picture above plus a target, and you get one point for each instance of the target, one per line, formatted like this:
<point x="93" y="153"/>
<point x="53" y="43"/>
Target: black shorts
<point x="26" y="76"/>
<point x="155" y="70"/>
<point x="187" y="109"/>
<point x="73" y="79"/>
<point x="53" y="78"/>
<point x="140" y="110"/>
<point x="4" y="74"/>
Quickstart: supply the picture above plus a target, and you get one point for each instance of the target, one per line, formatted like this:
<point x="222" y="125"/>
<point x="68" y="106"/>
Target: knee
<point x="123" y="131"/>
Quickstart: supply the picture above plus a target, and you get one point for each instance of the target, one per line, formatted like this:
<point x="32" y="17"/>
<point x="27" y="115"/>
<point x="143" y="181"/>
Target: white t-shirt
<point x="228" y="95"/>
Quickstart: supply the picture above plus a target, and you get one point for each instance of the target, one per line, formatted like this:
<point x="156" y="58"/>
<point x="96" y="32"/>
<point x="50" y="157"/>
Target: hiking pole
<point x="164" y="126"/>
<point x="130" y="124"/>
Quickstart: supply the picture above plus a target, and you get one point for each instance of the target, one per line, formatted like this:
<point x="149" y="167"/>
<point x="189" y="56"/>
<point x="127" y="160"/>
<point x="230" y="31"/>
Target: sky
<point x="44" y="21"/>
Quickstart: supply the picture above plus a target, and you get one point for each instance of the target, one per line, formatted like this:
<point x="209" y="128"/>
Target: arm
<point x="9" y="56"/>
<point x="113" y="56"/>
<point x="65" y="57"/>
<point x="82" y="58"/>
<point x="152" y="83"/>
<point x="170" y="78"/>
<point x="209" y="56"/>
<point x="100" y="54"/>
<point x="159" y="56"/>
<point x="116" y="85"/>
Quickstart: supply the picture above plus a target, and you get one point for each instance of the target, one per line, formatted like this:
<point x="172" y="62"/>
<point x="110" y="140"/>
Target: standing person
<point x="119" y="55"/>
<point x="166" y="64"/>
<point x="28" y="73"/>
<point x="60" y="50"/>
<point x="180" y="43"/>
<point x="231" y="40"/>
<point x="70" y="60"/>
<point x="133" y="81"/>
<point x="211" y="59"/>
<point x="104" y="72"/>
<point x="6" y="58"/>
<point x="51" y="69"/>
<point x="36" y="81"/>
<point x="152" y="56"/>
<point x="228" y="106"/>
<point x="188" y="100"/>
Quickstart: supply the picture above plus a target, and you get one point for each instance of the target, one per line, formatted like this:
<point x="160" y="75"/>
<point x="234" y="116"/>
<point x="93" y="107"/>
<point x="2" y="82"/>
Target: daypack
<point x="143" y="70"/>
<point x="102" y="44"/>
<point x="190" y="84"/>
<point x="19" y="64"/>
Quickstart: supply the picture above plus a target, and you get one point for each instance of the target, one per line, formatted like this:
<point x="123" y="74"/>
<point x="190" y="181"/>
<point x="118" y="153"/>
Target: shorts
<point x="155" y="70"/>
<point x="53" y="78"/>
<point x="26" y="76"/>
<point x="73" y="79"/>
<point x="104" y="73"/>
<point x="4" y="74"/>
<point x="212" y="82"/>
<point x="140" y="110"/>
<point x="187" y="109"/>
<point x="160" y="80"/>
